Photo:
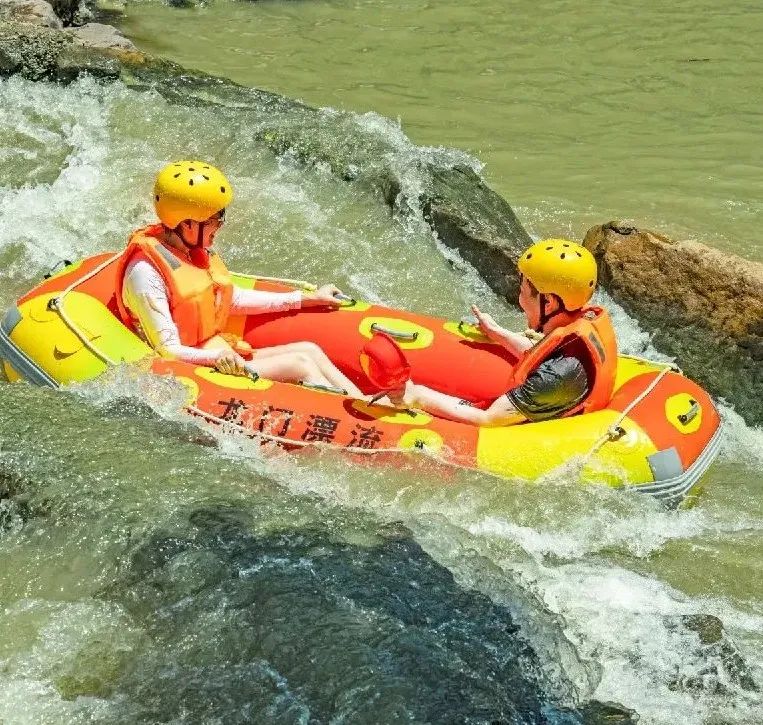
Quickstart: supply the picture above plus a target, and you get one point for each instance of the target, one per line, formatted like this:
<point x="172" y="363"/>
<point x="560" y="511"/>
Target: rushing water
<point x="649" y="111"/>
<point x="154" y="571"/>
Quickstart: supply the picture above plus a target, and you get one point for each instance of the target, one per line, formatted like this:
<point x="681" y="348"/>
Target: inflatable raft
<point x="658" y="435"/>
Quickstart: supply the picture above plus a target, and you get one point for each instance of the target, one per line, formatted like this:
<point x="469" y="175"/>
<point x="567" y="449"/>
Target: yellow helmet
<point x="190" y="190"/>
<point x="562" y="268"/>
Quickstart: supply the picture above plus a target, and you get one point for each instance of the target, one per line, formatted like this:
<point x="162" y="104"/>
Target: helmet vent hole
<point x="529" y="256"/>
<point x="590" y="284"/>
<point x="579" y="255"/>
<point x="157" y="197"/>
<point x="176" y="175"/>
<point x="561" y="256"/>
<point x="190" y="182"/>
<point x="565" y="245"/>
<point x="548" y="249"/>
<point x="205" y="176"/>
<point x="222" y="188"/>
<point x="190" y="168"/>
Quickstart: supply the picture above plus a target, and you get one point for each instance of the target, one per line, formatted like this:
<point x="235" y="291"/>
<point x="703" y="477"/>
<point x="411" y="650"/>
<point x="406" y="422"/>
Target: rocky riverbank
<point x="702" y="306"/>
<point x="713" y="301"/>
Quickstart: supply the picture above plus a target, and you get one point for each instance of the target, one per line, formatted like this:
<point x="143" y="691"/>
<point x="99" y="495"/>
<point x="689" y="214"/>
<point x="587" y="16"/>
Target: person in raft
<point x="176" y="293"/>
<point x="570" y="370"/>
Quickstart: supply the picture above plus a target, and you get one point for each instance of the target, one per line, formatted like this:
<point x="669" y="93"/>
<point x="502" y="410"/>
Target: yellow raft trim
<point x="531" y="451"/>
<point x="46" y="338"/>
<point x="234" y="382"/>
<point x="385" y="414"/>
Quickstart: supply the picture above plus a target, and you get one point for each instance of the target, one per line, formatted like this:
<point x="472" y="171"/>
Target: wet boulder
<point x="300" y="625"/>
<point x="717" y="666"/>
<point x="703" y="306"/>
<point x="30" y="50"/>
<point x="470" y="217"/>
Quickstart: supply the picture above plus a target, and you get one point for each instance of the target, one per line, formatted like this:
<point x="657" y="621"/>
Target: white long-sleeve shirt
<point x="145" y="295"/>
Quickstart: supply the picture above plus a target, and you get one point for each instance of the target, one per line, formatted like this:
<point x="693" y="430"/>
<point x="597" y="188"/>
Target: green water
<point x="136" y="559"/>
<point x="648" y="112"/>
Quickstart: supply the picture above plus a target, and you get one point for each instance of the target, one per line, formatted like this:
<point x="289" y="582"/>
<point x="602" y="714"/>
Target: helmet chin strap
<point x="198" y="254"/>
<point x="544" y="316"/>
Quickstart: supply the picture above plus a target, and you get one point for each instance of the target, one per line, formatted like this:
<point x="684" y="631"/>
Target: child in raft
<point x="177" y="294"/>
<point x="571" y="370"/>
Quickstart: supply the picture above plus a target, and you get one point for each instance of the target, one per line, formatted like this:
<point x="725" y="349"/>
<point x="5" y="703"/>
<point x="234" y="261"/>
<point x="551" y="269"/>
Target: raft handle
<point x="468" y="320"/>
<point x="397" y="334"/>
<point x="325" y="388"/>
<point x="691" y="414"/>
<point x="616" y="433"/>
<point x="351" y="301"/>
<point x="63" y="263"/>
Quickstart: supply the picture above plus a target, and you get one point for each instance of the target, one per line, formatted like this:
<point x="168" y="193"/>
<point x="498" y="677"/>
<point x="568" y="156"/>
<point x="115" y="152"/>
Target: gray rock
<point x="30" y="50"/>
<point x="97" y="35"/>
<point x="469" y="216"/>
<point x="76" y="60"/>
<point x="73" y="12"/>
<point x="717" y="666"/>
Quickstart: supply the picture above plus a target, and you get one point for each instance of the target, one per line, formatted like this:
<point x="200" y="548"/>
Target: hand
<point x="488" y="326"/>
<point x="324" y="296"/>
<point x="231" y="363"/>
<point x="404" y="397"/>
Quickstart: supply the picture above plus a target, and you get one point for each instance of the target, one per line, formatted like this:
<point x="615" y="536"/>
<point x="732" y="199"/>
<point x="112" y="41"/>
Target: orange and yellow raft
<point x="658" y="435"/>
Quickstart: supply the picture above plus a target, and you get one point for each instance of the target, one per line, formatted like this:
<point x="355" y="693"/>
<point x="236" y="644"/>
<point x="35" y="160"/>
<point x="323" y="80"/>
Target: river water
<point x="157" y="572"/>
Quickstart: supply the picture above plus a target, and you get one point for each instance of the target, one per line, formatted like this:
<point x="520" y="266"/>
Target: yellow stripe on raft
<point x="47" y="339"/>
<point x="531" y="451"/>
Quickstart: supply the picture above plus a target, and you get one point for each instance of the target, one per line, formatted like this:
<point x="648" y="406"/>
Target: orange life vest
<point x="200" y="299"/>
<point x="591" y="339"/>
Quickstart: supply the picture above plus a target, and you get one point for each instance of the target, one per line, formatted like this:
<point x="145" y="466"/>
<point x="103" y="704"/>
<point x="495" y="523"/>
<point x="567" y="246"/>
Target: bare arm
<point x="500" y="412"/>
<point x="514" y="342"/>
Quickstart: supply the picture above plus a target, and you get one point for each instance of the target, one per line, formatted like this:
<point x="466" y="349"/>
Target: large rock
<point x="35" y="12"/>
<point x="98" y="35"/>
<point x="30" y="50"/>
<point x="301" y="626"/>
<point x="704" y="306"/>
<point x="471" y="218"/>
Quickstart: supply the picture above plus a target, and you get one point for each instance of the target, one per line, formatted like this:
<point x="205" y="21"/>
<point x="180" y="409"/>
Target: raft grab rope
<point x="613" y="433"/>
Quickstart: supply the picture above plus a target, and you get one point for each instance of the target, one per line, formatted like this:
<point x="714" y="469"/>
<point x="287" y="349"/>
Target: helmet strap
<point x="546" y="316"/>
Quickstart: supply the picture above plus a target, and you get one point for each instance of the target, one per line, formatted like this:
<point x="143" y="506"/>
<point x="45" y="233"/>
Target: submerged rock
<point x="299" y="625"/>
<point x="703" y="306"/>
<point x="719" y="667"/>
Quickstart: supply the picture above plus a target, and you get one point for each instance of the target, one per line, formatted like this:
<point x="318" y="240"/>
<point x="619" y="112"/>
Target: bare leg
<point x="328" y="371"/>
<point x="288" y="368"/>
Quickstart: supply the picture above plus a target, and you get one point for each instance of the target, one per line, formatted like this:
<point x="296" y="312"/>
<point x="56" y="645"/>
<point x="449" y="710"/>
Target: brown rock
<point x="34" y="12"/>
<point x="704" y="306"/>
